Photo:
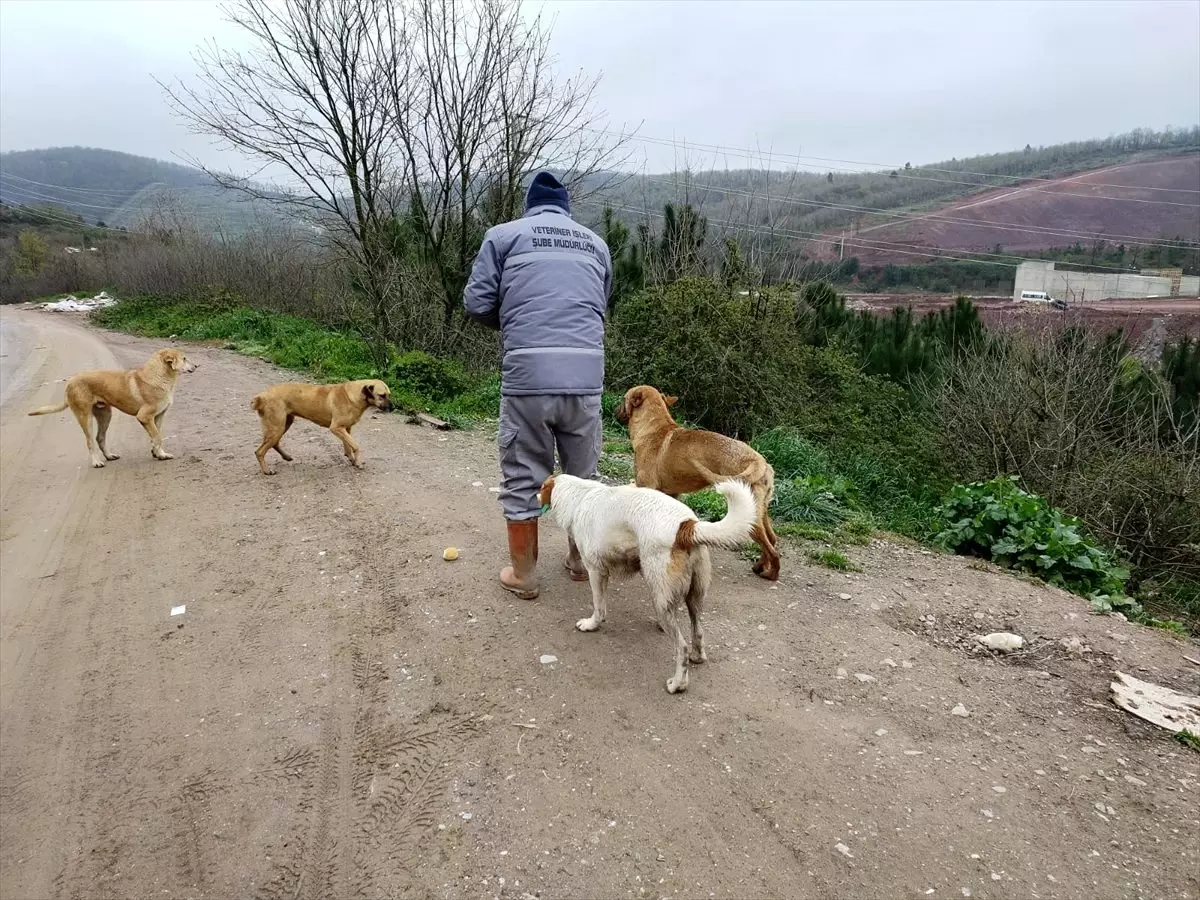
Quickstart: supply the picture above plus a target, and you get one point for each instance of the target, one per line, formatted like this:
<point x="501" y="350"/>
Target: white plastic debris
<point x="864" y="677"/>
<point x="1004" y="641"/>
<point x="960" y="711"/>
<point x="1156" y="704"/>
<point x="844" y="850"/>
<point x="178" y="610"/>
<point x="548" y="659"/>
<point x="71" y="303"/>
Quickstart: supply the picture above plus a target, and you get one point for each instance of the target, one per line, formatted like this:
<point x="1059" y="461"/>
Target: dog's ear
<point x="636" y="400"/>
<point x="670" y="401"/>
<point x="174" y="360"/>
<point x="369" y="391"/>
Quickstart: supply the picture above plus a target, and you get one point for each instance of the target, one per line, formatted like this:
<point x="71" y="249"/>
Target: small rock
<point x="995" y="877"/>
<point x="494" y="490"/>
<point x="476" y="484"/>
<point x="889" y="662"/>
<point x="842" y="673"/>
<point x="762" y="627"/>
<point x="960" y="711"/>
<point x="880" y="732"/>
<point x="906" y="664"/>
<point x="1004" y="641"/>
<point x="1089" y="749"/>
<point x="845" y="597"/>
<point x="987" y="814"/>
<point x="966" y="892"/>
<point x="1133" y="780"/>
<point x="864" y="677"/>
<point x="999" y="789"/>
<point x="844" y="850"/>
<point x="547" y="659"/>
<point x="450" y="554"/>
<point x="466" y="817"/>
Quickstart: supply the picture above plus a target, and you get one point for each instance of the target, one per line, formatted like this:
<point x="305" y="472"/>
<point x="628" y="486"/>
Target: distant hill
<point x="1031" y="192"/>
<point x="1153" y="199"/>
<point x="121" y="189"/>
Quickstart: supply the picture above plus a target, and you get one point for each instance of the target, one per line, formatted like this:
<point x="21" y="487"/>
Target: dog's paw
<point x="591" y="623"/>
<point x="97" y="464"/>
<point x="677" y="686"/>
<point x="112" y="456"/>
<point x="164" y="455"/>
<point x="268" y="471"/>
<point x="697" y="655"/>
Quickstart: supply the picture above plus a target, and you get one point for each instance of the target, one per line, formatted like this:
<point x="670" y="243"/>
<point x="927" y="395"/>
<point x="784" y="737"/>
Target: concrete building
<point x="1080" y="286"/>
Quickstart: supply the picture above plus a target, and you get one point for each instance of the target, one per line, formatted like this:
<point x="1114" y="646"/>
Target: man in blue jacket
<point x="543" y="280"/>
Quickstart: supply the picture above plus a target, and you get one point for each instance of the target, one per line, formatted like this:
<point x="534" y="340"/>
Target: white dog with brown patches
<point x="626" y="529"/>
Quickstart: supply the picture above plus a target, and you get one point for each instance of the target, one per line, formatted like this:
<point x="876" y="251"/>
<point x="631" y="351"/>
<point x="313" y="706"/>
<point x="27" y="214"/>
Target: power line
<point x="897" y="172"/>
<point x="883" y="246"/>
<point x="1003" y="226"/>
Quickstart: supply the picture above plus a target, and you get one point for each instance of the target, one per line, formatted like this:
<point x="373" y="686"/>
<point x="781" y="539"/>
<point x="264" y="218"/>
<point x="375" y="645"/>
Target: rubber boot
<point x="521" y="577"/>
<point x="574" y="563"/>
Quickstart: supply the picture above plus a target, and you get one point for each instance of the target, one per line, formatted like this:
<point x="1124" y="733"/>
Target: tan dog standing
<point x="144" y="393"/>
<point x="337" y="407"/>
<point x="677" y="460"/>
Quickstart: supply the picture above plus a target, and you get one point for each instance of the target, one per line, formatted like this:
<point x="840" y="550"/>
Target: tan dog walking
<point x="337" y="407"/>
<point x="678" y="460"/>
<point x="145" y="393"/>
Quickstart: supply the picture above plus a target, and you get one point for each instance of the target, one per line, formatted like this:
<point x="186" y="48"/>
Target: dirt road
<point x="340" y="713"/>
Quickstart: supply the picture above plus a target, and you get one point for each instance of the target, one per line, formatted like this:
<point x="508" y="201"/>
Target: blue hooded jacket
<point x="544" y="281"/>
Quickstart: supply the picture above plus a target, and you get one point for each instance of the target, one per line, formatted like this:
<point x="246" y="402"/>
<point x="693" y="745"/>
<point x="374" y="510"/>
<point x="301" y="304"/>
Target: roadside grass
<point x="419" y="382"/>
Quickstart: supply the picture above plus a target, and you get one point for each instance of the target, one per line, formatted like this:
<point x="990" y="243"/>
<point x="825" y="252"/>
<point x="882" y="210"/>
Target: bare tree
<point x="406" y="128"/>
<point x="486" y="110"/>
<point x="310" y="101"/>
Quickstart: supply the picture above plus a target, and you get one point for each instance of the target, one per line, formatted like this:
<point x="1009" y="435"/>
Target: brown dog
<point x="337" y="407"/>
<point x="677" y="460"/>
<point x="143" y="393"/>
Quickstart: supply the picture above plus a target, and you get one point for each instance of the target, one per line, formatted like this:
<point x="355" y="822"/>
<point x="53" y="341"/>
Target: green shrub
<point x="997" y="520"/>
<point x="418" y="373"/>
<point x="893" y="492"/>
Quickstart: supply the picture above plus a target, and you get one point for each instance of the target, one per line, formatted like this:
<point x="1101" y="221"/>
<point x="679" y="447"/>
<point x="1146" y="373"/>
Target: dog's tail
<point x="730" y="532"/>
<point x="46" y="410"/>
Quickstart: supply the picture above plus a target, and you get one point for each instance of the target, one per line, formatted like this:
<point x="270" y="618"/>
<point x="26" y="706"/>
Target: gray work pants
<point x="531" y="427"/>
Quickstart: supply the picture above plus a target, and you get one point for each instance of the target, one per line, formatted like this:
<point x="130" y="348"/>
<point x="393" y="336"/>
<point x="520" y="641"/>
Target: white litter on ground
<point x="72" y="303"/>
<point x="178" y="610"/>
<point x="1156" y="704"/>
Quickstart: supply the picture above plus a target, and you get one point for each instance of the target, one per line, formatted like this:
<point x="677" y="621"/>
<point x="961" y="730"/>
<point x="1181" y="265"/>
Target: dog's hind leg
<point x="84" y="415"/>
<point x="103" y="414"/>
<point x="701" y="576"/>
<point x="764" y="535"/>
<point x="273" y="430"/>
<point x="278" y="446"/>
<point x="599" y="581"/>
<point x="665" y="605"/>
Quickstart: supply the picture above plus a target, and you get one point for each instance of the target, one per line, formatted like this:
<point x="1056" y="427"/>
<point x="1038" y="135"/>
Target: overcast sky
<point x="885" y="83"/>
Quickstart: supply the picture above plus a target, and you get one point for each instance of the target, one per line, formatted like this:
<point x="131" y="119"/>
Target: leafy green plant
<point x="1188" y="739"/>
<point x="1000" y="521"/>
<point x="832" y="559"/>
